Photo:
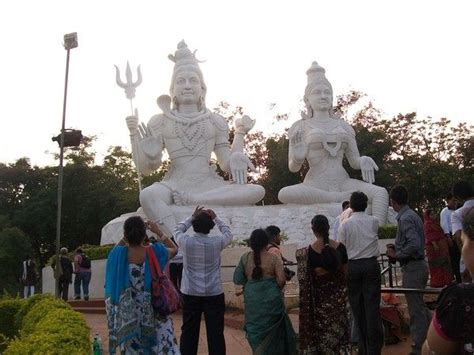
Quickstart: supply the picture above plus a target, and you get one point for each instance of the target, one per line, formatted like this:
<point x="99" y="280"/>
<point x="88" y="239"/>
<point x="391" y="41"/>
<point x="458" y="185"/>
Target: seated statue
<point x="190" y="133"/>
<point x="323" y="139"/>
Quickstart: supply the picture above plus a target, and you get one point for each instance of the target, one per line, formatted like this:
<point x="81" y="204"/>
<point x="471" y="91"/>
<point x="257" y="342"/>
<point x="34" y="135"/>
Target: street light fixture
<point x="70" y="42"/>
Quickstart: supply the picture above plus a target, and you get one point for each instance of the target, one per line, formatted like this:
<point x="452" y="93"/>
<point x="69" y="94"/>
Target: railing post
<point x="390" y="275"/>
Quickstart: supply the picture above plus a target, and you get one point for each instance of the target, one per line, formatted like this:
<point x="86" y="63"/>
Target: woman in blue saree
<point x="131" y="321"/>
<point x="267" y="325"/>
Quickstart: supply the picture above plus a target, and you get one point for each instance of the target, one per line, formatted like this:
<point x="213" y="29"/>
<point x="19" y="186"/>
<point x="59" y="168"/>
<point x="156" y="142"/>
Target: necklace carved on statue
<point x="191" y="132"/>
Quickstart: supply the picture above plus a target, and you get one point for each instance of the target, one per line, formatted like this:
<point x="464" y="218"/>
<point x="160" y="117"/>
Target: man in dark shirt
<point x="410" y="253"/>
<point x="65" y="274"/>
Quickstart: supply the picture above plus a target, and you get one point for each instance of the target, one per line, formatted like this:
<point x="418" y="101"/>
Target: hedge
<point x="39" y="311"/>
<point x="4" y="341"/>
<point x="387" y="231"/>
<point x="8" y="310"/>
<point x="94" y="252"/>
<point x="28" y="305"/>
<point x="46" y="326"/>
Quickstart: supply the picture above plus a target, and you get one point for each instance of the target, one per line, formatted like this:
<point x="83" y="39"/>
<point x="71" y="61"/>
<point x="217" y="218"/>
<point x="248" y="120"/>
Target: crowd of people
<point x="339" y="281"/>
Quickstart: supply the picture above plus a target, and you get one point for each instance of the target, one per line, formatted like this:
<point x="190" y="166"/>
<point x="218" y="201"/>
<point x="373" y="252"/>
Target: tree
<point x="14" y="246"/>
<point x="254" y="142"/>
<point x="277" y="174"/>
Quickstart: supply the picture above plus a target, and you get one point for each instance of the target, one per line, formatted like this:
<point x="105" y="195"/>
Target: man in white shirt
<point x="462" y="191"/>
<point x="359" y="234"/>
<point x="337" y="222"/>
<point x="445" y="222"/>
<point x="201" y="285"/>
<point x="445" y="215"/>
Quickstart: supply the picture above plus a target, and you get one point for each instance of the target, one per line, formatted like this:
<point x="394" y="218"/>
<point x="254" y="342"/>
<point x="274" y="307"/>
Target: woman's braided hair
<point x="330" y="257"/>
<point x="258" y="242"/>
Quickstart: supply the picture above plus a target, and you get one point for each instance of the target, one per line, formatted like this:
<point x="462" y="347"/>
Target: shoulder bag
<point x="165" y="299"/>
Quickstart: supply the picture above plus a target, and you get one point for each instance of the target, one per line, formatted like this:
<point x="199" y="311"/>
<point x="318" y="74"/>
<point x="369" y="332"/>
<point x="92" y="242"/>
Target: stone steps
<point x="93" y="306"/>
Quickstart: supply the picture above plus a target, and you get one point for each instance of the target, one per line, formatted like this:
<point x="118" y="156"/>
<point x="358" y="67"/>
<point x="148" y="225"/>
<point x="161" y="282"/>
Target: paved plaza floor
<point x="235" y="338"/>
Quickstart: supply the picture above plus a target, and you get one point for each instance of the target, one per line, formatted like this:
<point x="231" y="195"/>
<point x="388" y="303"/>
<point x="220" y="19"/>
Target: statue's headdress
<point x="183" y="56"/>
<point x="316" y="75"/>
<point x="185" y="59"/>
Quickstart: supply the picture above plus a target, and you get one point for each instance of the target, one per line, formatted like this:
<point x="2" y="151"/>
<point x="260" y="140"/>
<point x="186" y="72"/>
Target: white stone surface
<point x="293" y="220"/>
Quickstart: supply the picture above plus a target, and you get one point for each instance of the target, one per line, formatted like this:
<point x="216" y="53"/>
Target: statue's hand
<point x="239" y="163"/>
<point x="299" y="147"/>
<point x="367" y="166"/>
<point x="132" y="124"/>
<point x="244" y="124"/>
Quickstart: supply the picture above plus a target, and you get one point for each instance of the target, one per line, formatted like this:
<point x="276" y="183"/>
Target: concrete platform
<point x="236" y="342"/>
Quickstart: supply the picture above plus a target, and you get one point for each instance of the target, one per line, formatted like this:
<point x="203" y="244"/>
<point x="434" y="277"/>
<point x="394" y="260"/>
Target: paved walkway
<point x="235" y="338"/>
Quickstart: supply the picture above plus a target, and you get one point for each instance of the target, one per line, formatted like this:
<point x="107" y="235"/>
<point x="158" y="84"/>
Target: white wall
<point x="96" y="286"/>
<point x="230" y="256"/>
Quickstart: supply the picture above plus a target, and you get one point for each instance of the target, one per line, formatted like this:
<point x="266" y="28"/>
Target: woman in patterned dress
<point x="452" y="327"/>
<point x="131" y="321"/>
<point x="323" y="316"/>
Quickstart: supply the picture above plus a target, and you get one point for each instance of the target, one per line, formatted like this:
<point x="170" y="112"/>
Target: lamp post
<point x="70" y="42"/>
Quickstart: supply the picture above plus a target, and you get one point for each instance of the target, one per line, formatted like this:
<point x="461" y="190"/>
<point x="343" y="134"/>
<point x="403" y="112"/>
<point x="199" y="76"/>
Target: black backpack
<point x="85" y="262"/>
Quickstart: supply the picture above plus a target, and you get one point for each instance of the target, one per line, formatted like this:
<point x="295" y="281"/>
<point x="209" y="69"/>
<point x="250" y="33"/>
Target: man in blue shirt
<point x="410" y="253"/>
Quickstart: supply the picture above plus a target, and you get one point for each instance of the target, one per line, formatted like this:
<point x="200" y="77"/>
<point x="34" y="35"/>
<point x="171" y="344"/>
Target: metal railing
<point x="390" y="273"/>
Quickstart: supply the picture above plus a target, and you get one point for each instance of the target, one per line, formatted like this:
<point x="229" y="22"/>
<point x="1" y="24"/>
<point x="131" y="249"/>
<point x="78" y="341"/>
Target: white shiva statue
<point x="190" y="133"/>
<point x="323" y="140"/>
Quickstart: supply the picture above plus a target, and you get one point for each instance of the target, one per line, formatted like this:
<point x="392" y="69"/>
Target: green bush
<point x="50" y="326"/>
<point x="39" y="311"/>
<point x="98" y="252"/>
<point x="28" y="305"/>
<point x="387" y="231"/>
<point x="8" y="310"/>
<point x="45" y="343"/>
<point x="94" y="252"/>
<point x="4" y="341"/>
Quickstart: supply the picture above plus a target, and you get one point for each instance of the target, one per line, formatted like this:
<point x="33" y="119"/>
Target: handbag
<point x="165" y="299"/>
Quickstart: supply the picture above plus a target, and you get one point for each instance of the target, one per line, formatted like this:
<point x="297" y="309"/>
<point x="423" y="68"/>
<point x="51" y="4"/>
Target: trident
<point x="130" y="88"/>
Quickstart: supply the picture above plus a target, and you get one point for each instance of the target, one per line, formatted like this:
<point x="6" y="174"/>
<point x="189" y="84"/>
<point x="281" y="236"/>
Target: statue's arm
<point x="298" y="149"/>
<point x="222" y="148"/>
<point x="147" y="144"/>
<point x="363" y="163"/>
<point x="242" y="126"/>
<point x="352" y="151"/>
<point x="233" y="160"/>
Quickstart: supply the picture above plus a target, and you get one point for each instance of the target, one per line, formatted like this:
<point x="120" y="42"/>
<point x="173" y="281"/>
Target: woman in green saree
<point x="267" y="325"/>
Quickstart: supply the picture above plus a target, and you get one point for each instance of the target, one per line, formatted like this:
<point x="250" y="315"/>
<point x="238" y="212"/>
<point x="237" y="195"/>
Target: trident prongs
<point x="129" y="86"/>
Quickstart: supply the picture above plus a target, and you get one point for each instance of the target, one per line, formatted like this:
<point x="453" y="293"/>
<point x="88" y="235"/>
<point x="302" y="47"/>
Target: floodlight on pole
<point x="70" y="42"/>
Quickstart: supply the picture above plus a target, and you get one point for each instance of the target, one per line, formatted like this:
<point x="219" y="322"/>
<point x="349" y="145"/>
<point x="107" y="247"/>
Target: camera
<point x="288" y="273"/>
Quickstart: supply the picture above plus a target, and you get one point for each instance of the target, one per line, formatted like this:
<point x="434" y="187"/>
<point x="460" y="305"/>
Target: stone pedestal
<point x="293" y="220"/>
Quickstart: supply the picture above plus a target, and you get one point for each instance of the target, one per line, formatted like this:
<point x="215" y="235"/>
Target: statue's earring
<point x="201" y="103"/>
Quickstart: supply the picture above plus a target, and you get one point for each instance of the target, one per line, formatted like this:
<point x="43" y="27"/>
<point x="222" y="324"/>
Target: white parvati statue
<point x="190" y="133"/>
<point x="323" y="140"/>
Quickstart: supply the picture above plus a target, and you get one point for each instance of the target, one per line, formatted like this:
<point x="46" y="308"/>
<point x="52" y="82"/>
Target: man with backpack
<point x="82" y="269"/>
<point x="63" y="272"/>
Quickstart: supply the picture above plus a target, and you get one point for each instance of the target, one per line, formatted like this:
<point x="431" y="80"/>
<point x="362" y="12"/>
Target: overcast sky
<point x="406" y="55"/>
